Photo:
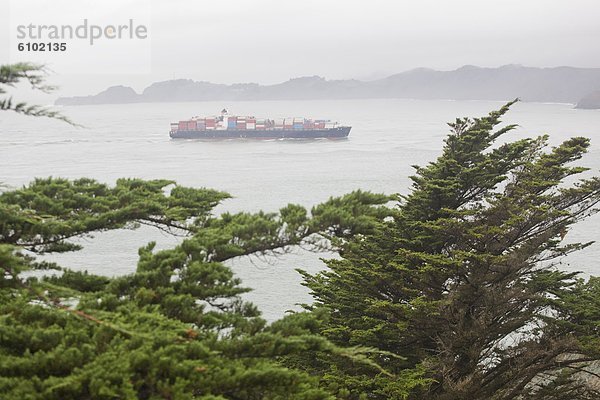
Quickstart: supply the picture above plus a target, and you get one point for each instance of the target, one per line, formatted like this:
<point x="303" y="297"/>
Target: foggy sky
<point x="269" y="41"/>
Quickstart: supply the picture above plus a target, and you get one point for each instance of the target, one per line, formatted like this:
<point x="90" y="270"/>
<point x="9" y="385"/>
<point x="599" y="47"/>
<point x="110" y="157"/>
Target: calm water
<point x="388" y="136"/>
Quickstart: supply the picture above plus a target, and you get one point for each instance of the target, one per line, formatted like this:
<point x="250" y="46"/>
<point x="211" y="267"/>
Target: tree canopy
<point x="462" y="286"/>
<point x="177" y="327"/>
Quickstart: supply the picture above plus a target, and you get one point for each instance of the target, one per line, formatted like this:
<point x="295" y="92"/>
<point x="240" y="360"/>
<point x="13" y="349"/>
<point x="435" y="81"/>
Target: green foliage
<point x="42" y="216"/>
<point x="461" y="283"/>
<point x="34" y="74"/>
<point x="177" y="327"/>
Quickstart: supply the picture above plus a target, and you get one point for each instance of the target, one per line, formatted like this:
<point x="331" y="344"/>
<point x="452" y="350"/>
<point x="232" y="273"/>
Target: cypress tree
<point x="461" y="287"/>
<point x="177" y="328"/>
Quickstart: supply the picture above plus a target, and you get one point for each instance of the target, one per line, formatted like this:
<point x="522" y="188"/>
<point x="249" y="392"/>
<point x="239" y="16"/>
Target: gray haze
<point x="270" y="41"/>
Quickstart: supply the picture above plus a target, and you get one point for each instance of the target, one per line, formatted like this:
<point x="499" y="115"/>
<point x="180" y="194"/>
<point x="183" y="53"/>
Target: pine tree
<point x="177" y="328"/>
<point x="461" y="285"/>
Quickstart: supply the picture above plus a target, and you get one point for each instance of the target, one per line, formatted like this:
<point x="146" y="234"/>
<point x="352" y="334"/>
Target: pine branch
<point x="35" y="75"/>
<point x="34" y="111"/>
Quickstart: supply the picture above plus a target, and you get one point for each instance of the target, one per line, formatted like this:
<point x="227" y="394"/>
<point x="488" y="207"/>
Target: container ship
<point x="227" y="126"/>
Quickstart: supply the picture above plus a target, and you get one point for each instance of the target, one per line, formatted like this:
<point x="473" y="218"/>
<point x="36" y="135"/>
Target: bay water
<point x="388" y="136"/>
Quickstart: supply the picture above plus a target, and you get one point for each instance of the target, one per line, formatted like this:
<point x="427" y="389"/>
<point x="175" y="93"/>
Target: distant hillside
<point x="112" y="95"/>
<point x="591" y="101"/>
<point x="560" y="84"/>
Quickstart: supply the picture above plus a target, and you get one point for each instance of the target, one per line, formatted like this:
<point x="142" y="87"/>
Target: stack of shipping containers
<point x="298" y="123"/>
<point x="231" y="122"/>
<point x="251" y="123"/>
<point x="211" y="123"/>
<point x="241" y="123"/>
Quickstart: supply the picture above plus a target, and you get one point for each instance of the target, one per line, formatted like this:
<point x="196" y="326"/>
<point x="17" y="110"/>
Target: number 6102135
<point x="35" y="46"/>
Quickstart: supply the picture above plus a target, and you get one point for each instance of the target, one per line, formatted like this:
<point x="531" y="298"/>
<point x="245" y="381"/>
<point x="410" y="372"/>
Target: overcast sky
<point x="269" y="41"/>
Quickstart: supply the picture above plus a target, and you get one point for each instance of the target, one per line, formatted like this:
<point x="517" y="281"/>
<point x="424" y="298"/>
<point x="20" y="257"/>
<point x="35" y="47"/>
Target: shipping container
<point x="226" y="126"/>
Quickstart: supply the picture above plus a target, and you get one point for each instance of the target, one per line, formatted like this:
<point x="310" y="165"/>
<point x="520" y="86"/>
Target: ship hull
<point x="333" y="133"/>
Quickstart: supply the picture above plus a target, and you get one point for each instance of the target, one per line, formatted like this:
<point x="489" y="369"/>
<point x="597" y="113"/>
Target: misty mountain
<point x="112" y="95"/>
<point x="559" y="84"/>
<point x="590" y="101"/>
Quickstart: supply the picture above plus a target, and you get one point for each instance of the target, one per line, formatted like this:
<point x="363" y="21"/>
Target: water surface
<point x="388" y="136"/>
